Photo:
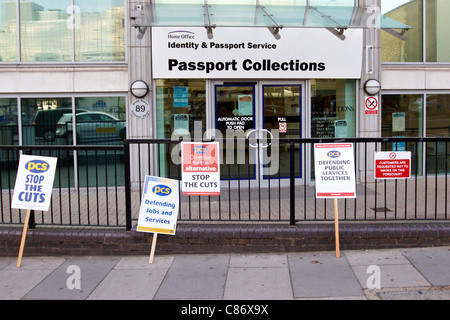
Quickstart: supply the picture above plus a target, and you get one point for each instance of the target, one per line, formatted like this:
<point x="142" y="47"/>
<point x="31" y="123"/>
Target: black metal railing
<point x="288" y="195"/>
<point x="102" y="185"/>
<point x="89" y="186"/>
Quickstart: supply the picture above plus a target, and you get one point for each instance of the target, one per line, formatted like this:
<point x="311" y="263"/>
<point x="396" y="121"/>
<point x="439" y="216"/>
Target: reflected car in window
<point x="92" y="128"/>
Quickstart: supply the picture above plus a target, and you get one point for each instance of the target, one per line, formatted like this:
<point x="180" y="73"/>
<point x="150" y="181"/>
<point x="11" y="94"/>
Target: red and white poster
<point x="335" y="170"/>
<point x="371" y="105"/>
<point x="393" y="165"/>
<point x="200" y="169"/>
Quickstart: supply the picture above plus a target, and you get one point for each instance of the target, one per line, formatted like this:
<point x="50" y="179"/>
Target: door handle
<point x="261" y="144"/>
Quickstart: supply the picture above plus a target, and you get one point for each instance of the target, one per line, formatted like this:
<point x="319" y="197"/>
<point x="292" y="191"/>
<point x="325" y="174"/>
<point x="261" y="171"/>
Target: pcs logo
<point x="333" y="154"/>
<point x="200" y="149"/>
<point x="161" y="190"/>
<point x="37" y="166"/>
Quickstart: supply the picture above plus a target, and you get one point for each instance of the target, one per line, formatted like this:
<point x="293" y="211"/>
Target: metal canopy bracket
<point x="142" y="18"/>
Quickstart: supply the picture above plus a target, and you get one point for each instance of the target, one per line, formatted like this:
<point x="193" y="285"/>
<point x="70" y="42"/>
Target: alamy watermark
<point x="374" y="280"/>
<point x="263" y="146"/>
<point x="74" y="280"/>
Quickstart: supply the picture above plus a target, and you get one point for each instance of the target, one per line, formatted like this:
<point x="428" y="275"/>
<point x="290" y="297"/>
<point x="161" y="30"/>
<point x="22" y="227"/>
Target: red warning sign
<point x="393" y="165"/>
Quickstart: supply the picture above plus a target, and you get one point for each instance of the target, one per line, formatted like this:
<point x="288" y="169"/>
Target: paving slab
<point x="195" y="277"/>
<point x="316" y="275"/>
<point x="426" y="294"/>
<point x="258" y="284"/>
<point x="433" y="264"/>
<point x="375" y="257"/>
<point x="133" y="278"/>
<point x="392" y="276"/>
<point x="55" y="286"/>
<point x="17" y="282"/>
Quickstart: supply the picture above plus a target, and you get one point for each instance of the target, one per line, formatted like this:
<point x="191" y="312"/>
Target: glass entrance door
<point x="262" y="111"/>
<point x="235" y="115"/>
<point x="282" y="105"/>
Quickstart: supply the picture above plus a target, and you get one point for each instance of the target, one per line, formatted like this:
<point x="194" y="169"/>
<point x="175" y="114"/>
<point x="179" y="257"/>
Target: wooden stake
<point x="24" y="235"/>
<point x="336" y="226"/>
<point x="152" y="252"/>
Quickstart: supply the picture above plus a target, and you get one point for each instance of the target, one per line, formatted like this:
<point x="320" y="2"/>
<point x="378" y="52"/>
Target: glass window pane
<point x="99" y="120"/>
<point x="8" y="122"/>
<point x="438" y="115"/>
<point x="333" y="111"/>
<point x="438" y="125"/>
<point x="409" y="12"/>
<point x="44" y="30"/>
<point x="179" y="105"/>
<point x="100" y="30"/>
<point x="40" y="117"/>
<point x="402" y="116"/>
<point x="8" y="31"/>
<point x="438" y="25"/>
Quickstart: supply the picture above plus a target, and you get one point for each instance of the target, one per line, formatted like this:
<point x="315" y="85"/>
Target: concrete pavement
<point x="417" y="273"/>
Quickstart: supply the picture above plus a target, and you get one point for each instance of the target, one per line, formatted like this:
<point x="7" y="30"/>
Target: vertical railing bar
<point x="365" y="180"/>
<point x="68" y="185"/>
<point x="96" y="185"/>
<point x="128" y="208"/>
<point x="415" y="180"/>
<point x="435" y="178"/>
<point x="446" y="174"/>
<point x="292" y="181"/>
<point x="58" y="152"/>
<point x="87" y="187"/>
<point x="106" y="187"/>
<point x="426" y="180"/>
<point x="115" y="187"/>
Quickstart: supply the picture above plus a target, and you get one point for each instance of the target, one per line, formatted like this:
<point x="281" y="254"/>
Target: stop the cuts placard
<point x="200" y="168"/>
<point x="335" y="170"/>
<point x="34" y="183"/>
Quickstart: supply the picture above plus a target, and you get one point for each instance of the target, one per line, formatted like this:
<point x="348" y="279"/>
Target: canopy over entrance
<point x="336" y="16"/>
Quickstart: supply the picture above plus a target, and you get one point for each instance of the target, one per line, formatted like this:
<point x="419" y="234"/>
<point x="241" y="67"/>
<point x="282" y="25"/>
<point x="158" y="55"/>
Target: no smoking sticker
<point x="371" y="105"/>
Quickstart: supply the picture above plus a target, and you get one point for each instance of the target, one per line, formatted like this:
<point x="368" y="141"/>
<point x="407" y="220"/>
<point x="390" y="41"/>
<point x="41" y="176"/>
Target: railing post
<point x="126" y="150"/>
<point x="292" y="181"/>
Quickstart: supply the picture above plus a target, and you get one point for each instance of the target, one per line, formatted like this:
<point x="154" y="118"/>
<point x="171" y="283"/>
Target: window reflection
<point x="8" y="122"/>
<point x="409" y="12"/>
<point x="99" y="32"/>
<point x="99" y="120"/>
<point x="44" y="33"/>
<point x="59" y="31"/>
<point x="333" y="108"/>
<point x="8" y="31"/>
<point x="438" y="37"/>
<point x="40" y="117"/>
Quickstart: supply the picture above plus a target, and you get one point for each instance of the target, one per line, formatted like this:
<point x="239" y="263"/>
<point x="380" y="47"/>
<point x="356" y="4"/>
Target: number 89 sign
<point x="140" y="108"/>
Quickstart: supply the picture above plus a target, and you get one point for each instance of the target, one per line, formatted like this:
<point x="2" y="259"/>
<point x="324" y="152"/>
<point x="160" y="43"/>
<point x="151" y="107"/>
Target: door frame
<point x="258" y="119"/>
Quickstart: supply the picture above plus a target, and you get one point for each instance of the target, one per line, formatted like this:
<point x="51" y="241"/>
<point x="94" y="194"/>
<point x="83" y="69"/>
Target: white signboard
<point x="335" y="170"/>
<point x="34" y="183"/>
<point x="254" y="53"/>
<point x="200" y="168"/>
<point x="159" y="206"/>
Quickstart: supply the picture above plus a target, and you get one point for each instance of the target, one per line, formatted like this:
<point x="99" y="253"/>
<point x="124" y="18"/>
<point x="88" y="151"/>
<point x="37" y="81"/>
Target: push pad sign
<point x="159" y="206"/>
<point x="34" y="183"/>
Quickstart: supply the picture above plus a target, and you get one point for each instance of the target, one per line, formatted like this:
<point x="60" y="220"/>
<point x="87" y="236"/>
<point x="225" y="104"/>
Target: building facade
<point x="299" y="69"/>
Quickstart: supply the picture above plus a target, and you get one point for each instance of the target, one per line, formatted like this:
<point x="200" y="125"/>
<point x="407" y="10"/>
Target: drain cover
<point x="381" y="209"/>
